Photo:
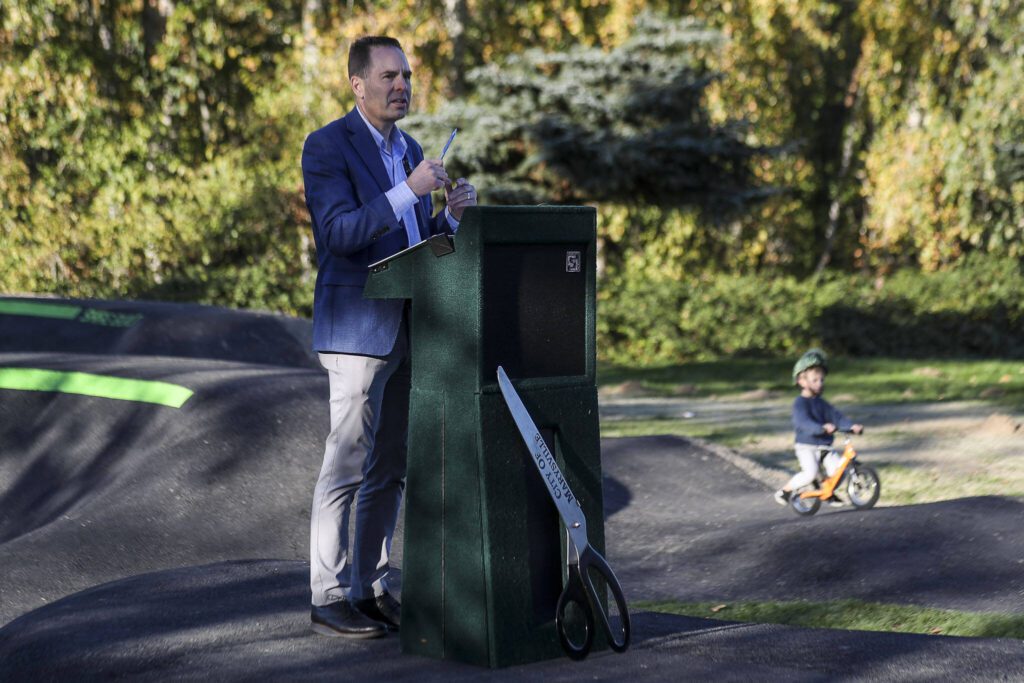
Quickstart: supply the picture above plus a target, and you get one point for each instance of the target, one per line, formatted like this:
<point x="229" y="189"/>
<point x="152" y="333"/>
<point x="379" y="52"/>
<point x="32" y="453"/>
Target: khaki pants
<point x="364" y="462"/>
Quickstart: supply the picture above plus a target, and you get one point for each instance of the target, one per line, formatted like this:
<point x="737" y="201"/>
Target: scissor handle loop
<point x="580" y="590"/>
<point x="574" y="593"/>
<point x="591" y="558"/>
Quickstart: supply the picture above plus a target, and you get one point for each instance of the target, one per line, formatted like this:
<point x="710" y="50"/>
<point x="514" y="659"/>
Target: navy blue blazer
<point x="354" y="226"/>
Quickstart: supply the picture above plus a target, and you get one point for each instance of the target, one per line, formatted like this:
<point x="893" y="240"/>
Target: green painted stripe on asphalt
<point x="87" y="384"/>
<point x="40" y="310"/>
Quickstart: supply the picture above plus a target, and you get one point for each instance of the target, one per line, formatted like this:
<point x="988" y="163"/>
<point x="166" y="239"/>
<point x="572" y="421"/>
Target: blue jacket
<point x="809" y="414"/>
<point x="354" y="226"/>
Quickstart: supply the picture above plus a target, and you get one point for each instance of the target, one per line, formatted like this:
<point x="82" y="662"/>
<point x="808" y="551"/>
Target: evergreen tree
<point x="586" y="125"/>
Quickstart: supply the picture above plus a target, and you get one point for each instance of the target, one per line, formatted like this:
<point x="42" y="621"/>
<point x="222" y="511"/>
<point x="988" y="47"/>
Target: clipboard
<point x="439" y="245"/>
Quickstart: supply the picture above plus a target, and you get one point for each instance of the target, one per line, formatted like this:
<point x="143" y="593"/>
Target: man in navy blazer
<point x="368" y="191"/>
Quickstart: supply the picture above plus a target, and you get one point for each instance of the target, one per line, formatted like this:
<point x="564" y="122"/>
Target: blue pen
<point x="448" y="144"/>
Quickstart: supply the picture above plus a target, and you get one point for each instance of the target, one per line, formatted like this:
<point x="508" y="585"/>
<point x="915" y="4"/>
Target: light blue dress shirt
<point x="402" y="198"/>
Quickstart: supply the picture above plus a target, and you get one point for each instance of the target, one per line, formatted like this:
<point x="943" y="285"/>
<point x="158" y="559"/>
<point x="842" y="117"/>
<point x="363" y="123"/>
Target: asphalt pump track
<point x="153" y="542"/>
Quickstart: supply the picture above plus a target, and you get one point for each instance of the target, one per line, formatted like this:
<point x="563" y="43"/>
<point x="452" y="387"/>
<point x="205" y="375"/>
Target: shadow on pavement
<point x="132" y="536"/>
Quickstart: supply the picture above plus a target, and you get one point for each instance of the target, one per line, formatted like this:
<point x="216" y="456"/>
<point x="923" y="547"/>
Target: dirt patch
<point x="999" y="425"/>
<point x="758" y="395"/>
<point x="636" y="389"/>
<point x="630" y="388"/>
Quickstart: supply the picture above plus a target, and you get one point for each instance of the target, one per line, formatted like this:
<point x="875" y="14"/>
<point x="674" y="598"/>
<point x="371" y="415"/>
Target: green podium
<point x="484" y="547"/>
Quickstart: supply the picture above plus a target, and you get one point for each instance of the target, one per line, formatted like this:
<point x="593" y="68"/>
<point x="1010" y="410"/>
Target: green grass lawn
<point x="853" y="614"/>
<point x="862" y="380"/>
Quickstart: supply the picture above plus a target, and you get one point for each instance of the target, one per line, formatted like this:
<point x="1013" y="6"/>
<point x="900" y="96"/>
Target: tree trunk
<point x="154" y="24"/>
<point x="845" y="162"/>
<point x="310" y="53"/>
<point x="310" y="67"/>
<point x="456" y="15"/>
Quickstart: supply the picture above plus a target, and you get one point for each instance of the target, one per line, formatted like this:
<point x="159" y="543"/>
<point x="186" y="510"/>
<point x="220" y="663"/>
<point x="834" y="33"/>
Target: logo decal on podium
<point x="572" y="261"/>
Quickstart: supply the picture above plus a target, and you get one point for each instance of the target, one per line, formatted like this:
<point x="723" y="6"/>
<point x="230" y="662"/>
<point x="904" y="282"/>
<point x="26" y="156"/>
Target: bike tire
<point x="863" y="487"/>
<point x="805" y="507"/>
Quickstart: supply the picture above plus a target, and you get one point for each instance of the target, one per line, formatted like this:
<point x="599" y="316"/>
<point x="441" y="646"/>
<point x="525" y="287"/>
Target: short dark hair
<point x="359" y="53"/>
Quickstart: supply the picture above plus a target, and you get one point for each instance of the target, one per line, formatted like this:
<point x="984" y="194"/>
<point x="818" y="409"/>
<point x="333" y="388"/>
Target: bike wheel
<point x="804" y="506"/>
<point x="863" y="487"/>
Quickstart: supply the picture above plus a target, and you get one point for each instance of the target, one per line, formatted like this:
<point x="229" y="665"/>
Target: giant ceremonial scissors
<point x="581" y="558"/>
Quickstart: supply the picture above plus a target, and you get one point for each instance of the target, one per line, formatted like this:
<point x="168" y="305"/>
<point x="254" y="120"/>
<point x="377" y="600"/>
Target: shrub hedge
<point x="975" y="309"/>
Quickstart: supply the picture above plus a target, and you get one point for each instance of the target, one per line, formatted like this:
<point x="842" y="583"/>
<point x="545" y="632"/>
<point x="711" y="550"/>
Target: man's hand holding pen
<point x="430" y="175"/>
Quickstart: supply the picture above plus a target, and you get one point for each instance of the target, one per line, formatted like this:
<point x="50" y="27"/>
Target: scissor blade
<point x="568" y="508"/>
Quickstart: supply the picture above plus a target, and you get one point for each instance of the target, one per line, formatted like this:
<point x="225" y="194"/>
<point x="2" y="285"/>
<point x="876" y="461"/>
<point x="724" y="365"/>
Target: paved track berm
<point x="150" y="542"/>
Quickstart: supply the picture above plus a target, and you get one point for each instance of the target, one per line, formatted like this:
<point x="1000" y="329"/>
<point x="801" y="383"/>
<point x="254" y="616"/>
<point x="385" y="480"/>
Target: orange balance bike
<point x="842" y="480"/>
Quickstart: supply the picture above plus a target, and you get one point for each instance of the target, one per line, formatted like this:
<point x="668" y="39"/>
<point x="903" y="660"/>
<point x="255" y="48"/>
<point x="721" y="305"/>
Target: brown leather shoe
<point x="341" y="619"/>
<point x="383" y="609"/>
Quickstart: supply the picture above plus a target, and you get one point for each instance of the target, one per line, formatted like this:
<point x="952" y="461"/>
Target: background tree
<point x="872" y="96"/>
<point x="944" y="176"/>
<point x="623" y="127"/>
<point x="150" y="148"/>
<point x="138" y="160"/>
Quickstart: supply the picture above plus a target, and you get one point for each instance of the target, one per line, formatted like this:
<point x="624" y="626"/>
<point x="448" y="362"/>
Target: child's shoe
<point x="782" y="497"/>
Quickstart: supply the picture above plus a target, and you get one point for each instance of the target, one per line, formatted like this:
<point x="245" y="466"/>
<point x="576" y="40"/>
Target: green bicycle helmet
<point x="814" y="358"/>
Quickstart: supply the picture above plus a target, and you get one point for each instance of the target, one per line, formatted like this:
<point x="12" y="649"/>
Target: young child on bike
<point x="814" y="419"/>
